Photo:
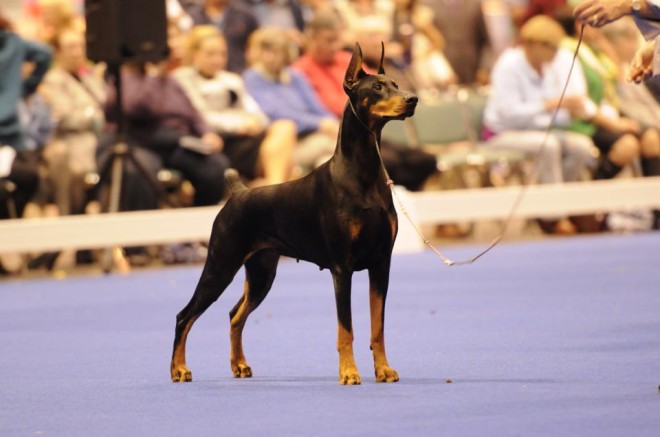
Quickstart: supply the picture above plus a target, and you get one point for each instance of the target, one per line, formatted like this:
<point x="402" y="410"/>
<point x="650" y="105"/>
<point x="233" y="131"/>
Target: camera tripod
<point x="121" y="154"/>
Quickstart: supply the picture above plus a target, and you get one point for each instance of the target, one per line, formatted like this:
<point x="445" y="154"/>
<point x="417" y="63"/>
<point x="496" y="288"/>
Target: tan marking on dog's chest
<point x="354" y="228"/>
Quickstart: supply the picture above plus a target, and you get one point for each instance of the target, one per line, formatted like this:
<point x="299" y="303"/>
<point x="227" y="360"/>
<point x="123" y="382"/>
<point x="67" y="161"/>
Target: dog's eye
<point x="378" y="87"/>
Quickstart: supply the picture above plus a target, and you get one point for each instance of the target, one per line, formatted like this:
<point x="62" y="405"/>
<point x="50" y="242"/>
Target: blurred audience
<point x="527" y="82"/>
<point x="352" y="13"/>
<point x="371" y="34"/>
<point x="420" y="45"/>
<point x="165" y="129"/>
<point x="636" y="101"/>
<point x="325" y="64"/>
<point x="257" y="148"/>
<point x="76" y="94"/>
<point x="44" y="19"/>
<point x="324" y="61"/>
<point x="467" y="42"/>
<point x="258" y="85"/>
<point x="285" y="14"/>
<point x="18" y="166"/>
<point x="234" y="19"/>
<point x="621" y="140"/>
<point x="524" y="10"/>
<point x="271" y="81"/>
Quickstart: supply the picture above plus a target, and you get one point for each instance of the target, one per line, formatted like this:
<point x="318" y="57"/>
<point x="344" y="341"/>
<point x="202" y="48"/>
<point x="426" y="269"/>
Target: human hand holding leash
<point x="598" y="13"/>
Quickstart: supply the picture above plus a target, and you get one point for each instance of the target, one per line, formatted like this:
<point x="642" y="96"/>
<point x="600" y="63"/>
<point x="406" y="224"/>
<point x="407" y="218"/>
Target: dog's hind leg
<point x="213" y="281"/>
<point x="348" y="372"/>
<point x="378" y="284"/>
<point x="259" y="275"/>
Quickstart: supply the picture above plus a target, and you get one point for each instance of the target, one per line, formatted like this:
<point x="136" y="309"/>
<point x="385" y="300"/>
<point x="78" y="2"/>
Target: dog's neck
<point x="358" y="145"/>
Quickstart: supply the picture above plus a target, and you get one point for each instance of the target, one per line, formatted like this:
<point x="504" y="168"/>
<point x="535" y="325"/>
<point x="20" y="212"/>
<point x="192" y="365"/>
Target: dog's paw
<point x="241" y="370"/>
<point x="181" y="374"/>
<point x="349" y="377"/>
<point x="386" y="374"/>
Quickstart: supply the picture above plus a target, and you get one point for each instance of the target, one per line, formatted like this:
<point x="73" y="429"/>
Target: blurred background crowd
<point x="257" y="85"/>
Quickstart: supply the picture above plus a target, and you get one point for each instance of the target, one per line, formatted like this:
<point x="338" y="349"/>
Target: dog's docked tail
<point x="234" y="182"/>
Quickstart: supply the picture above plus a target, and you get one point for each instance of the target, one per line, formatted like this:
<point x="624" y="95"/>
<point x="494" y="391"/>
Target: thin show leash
<point x="521" y="194"/>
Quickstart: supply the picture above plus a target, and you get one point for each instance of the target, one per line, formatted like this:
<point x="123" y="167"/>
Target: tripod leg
<point x="115" y="196"/>
<point x="150" y="178"/>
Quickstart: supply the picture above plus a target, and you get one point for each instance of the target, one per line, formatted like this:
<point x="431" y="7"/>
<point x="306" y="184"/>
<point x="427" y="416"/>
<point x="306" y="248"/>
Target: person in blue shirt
<point x="285" y="94"/>
<point x="17" y="165"/>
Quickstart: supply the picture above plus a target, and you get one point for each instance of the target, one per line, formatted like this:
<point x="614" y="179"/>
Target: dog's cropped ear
<point x="354" y="72"/>
<point x="381" y="70"/>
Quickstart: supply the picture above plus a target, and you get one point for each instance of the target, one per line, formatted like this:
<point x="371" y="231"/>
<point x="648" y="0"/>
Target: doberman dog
<point x="340" y="217"/>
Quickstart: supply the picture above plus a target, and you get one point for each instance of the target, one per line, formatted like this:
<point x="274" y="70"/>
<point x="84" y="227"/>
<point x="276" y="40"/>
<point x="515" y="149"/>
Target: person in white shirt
<point x="261" y="150"/>
<point x="527" y="83"/>
<point x="646" y="13"/>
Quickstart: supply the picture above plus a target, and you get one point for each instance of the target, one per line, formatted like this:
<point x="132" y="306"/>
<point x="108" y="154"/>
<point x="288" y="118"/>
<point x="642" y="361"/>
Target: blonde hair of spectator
<point x="543" y="29"/>
<point x="323" y="20"/>
<point x="59" y="14"/>
<point x="196" y="38"/>
<point x="270" y="38"/>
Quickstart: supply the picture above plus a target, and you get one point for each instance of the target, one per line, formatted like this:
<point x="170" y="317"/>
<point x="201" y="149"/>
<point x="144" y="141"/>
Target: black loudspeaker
<point x="126" y="30"/>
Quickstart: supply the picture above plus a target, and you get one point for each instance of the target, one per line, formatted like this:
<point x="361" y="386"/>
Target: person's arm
<point x="598" y="13"/>
<point x="646" y="62"/>
<point x="270" y="102"/>
<point x="309" y="96"/>
<point x="41" y="56"/>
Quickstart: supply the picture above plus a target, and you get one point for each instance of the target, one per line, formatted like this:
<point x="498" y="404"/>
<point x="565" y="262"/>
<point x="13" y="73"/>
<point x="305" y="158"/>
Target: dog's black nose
<point x="411" y="99"/>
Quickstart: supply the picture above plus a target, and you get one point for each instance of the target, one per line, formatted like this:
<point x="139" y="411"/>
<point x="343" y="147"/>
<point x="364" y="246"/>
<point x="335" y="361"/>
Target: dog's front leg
<point x="348" y="372"/>
<point x="378" y="284"/>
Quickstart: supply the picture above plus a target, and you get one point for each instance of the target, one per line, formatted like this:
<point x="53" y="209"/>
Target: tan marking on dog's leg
<point x="394" y="224"/>
<point x="348" y="372"/>
<point x="384" y="373"/>
<point x="239" y="365"/>
<point x="178" y="368"/>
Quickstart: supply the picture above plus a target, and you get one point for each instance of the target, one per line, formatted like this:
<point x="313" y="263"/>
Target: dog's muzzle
<point x="411" y="103"/>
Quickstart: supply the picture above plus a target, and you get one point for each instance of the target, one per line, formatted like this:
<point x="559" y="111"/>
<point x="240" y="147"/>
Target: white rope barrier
<point x="435" y="207"/>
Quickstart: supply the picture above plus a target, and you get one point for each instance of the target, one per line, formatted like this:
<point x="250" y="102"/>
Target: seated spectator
<point x="271" y="82"/>
<point x="468" y="48"/>
<point x="17" y="165"/>
<point x="325" y="64"/>
<point x="76" y="94"/>
<point x="527" y="82"/>
<point x="255" y="148"/>
<point x="371" y="34"/>
<point x="236" y="22"/>
<point x="352" y="12"/>
<point x="420" y="45"/>
<point x="621" y="140"/>
<point x="165" y="128"/>
<point x="636" y="101"/>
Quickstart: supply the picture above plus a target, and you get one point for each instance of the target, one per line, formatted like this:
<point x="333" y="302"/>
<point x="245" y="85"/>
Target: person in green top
<point x="621" y="140"/>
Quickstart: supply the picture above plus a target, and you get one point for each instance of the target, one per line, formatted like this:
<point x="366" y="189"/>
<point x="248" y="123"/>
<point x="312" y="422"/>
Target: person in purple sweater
<point x="285" y="94"/>
<point x="166" y="130"/>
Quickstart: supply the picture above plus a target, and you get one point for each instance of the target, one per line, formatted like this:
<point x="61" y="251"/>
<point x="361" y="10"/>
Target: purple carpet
<point x="555" y="337"/>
